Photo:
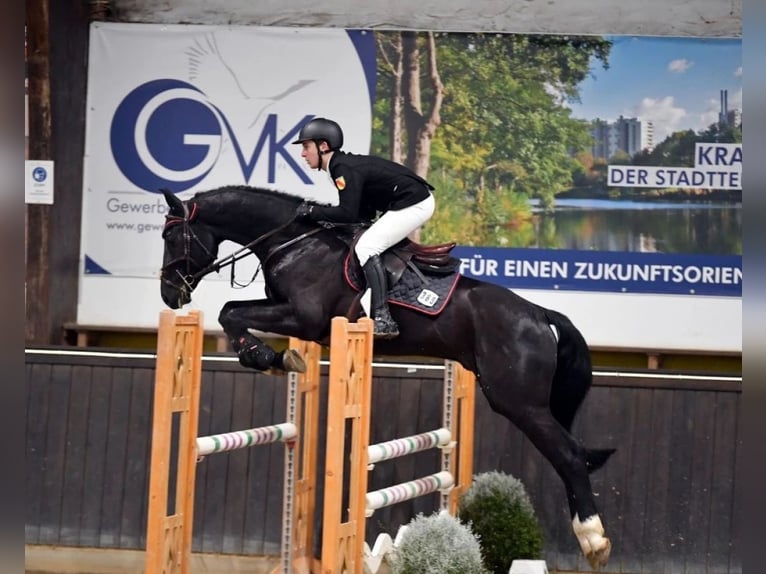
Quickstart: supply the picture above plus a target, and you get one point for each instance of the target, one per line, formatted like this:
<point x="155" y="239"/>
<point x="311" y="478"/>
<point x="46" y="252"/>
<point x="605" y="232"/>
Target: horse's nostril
<point x="184" y="297"/>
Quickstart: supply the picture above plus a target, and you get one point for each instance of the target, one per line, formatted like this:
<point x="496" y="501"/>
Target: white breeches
<point x="391" y="227"/>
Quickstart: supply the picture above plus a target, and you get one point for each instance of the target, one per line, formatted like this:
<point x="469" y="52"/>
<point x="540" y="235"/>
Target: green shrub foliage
<point x="499" y="511"/>
<point x="437" y="544"/>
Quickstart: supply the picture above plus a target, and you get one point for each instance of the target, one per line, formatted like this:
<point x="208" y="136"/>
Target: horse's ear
<point x="175" y="204"/>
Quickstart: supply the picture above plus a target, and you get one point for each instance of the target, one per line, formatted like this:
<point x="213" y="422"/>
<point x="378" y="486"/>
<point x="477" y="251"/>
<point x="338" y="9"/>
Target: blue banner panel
<point x="614" y="271"/>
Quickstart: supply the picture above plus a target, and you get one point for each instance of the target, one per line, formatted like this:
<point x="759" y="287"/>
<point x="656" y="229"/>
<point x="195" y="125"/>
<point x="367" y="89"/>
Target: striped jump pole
<point x="407" y="491"/>
<point x="245" y="438"/>
<point x="177" y="392"/>
<point x="349" y="405"/>
<point x="407" y="445"/>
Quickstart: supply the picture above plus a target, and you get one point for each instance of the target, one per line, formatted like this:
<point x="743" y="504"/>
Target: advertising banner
<point x="188" y="108"/>
<point x="562" y="164"/>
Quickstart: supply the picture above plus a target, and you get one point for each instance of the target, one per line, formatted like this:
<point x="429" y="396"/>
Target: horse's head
<point x="190" y="248"/>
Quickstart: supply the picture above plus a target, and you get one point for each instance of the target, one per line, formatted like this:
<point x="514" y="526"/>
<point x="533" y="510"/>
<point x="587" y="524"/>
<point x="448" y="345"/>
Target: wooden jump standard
<point x="349" y="400"/>
<point x="177" y="390"/>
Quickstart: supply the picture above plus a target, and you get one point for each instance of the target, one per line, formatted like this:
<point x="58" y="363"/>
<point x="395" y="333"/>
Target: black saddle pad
<point x="428" y="294"/>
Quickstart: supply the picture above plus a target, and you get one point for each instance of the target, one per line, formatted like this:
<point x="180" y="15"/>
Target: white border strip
<point x="677" y="376"/>
<point x="409" y="367"/>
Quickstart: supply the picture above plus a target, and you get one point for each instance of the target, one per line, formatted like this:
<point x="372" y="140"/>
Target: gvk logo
<point x="167" y="134"/>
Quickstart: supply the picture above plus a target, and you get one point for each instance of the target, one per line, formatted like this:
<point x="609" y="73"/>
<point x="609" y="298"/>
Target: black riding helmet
<point x="320" y="129"/>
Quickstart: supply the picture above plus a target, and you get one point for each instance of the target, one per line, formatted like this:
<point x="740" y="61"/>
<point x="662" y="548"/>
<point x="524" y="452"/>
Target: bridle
<point x="189" y="277"/>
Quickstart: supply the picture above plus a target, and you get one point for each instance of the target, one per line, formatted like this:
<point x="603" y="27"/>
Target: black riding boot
<point x="375" y="274"/>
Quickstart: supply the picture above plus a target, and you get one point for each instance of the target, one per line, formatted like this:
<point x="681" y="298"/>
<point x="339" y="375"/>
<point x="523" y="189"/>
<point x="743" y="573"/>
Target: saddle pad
<point x="410" y="291"/>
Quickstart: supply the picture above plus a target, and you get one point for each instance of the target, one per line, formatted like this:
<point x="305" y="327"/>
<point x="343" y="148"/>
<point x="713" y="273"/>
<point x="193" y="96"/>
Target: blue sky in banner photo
<point x="673" y="82"/>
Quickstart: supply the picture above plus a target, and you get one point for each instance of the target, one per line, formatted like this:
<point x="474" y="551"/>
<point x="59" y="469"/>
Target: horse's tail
<point x="572" y="380"/>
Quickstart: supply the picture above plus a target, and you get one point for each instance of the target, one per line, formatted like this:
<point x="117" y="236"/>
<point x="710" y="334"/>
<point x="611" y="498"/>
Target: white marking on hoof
<point x="590" y="534"/>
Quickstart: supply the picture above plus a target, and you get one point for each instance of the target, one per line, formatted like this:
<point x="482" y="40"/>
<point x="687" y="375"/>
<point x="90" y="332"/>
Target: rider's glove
<point x="303" y="211"/>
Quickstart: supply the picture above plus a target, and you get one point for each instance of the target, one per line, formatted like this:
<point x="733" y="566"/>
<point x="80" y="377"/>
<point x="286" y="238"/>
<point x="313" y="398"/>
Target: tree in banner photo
<point x="606" y="145"/>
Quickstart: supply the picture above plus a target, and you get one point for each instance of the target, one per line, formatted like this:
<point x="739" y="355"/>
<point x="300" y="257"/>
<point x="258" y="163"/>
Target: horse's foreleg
<point x="238" y="317"/>
<point x="254" y="353"/>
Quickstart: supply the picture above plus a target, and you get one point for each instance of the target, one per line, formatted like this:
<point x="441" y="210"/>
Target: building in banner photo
<point x="727" y="117"/>
<point x="628" y="135"/>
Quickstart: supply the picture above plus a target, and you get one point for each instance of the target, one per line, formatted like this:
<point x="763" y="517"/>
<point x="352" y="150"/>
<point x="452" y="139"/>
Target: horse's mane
<point x="246" y="189"/>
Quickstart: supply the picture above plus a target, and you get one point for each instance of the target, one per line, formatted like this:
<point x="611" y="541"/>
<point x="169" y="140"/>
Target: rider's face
<point x="310" y="154"/>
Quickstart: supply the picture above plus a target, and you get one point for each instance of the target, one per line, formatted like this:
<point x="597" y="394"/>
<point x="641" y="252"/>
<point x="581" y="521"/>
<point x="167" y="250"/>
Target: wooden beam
<point x="38" y="329"/>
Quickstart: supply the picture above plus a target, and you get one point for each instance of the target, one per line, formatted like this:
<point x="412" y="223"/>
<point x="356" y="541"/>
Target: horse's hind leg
<point x="525" y="404"/>
<point x="568" y="459"/>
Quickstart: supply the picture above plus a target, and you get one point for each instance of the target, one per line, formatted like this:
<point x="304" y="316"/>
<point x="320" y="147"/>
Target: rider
<point x="366" y="185"/>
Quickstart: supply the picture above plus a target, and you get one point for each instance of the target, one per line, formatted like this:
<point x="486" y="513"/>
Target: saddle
<point x="422" y="259"/>
<point x="420" y="277"/>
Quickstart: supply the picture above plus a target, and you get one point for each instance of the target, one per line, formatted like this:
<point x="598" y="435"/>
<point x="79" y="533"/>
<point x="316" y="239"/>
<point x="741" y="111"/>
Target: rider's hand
<point x="303" y="211"/>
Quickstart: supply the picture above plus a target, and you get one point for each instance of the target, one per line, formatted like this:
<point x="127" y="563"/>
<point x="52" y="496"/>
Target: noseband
<point x="188" y="278"/>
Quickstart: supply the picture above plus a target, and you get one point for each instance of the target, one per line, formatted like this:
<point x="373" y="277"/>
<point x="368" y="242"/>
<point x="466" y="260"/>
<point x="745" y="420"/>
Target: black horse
<point x="532" y="363"/>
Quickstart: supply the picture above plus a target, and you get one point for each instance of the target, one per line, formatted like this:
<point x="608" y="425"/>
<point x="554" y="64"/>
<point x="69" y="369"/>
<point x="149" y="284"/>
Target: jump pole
<point x="177" y="389"/>
<point x="349" y="402"/>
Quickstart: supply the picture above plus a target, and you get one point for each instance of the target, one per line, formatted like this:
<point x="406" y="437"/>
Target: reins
<point x="232" y="258"/>
<point x="246" y="250"/>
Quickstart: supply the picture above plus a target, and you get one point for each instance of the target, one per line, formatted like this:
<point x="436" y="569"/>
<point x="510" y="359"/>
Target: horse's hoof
<point x="595" y="546"/>
<point x="598" y="558"/>
<point x="292" y="361"/>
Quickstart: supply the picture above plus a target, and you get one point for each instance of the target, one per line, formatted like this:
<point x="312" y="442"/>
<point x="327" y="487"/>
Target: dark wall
<point x="669" y="497"/>
<point x="57" y="88"/>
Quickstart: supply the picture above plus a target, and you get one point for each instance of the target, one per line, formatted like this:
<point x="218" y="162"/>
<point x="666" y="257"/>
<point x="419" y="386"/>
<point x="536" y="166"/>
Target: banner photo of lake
<point x="595" y="163"/>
